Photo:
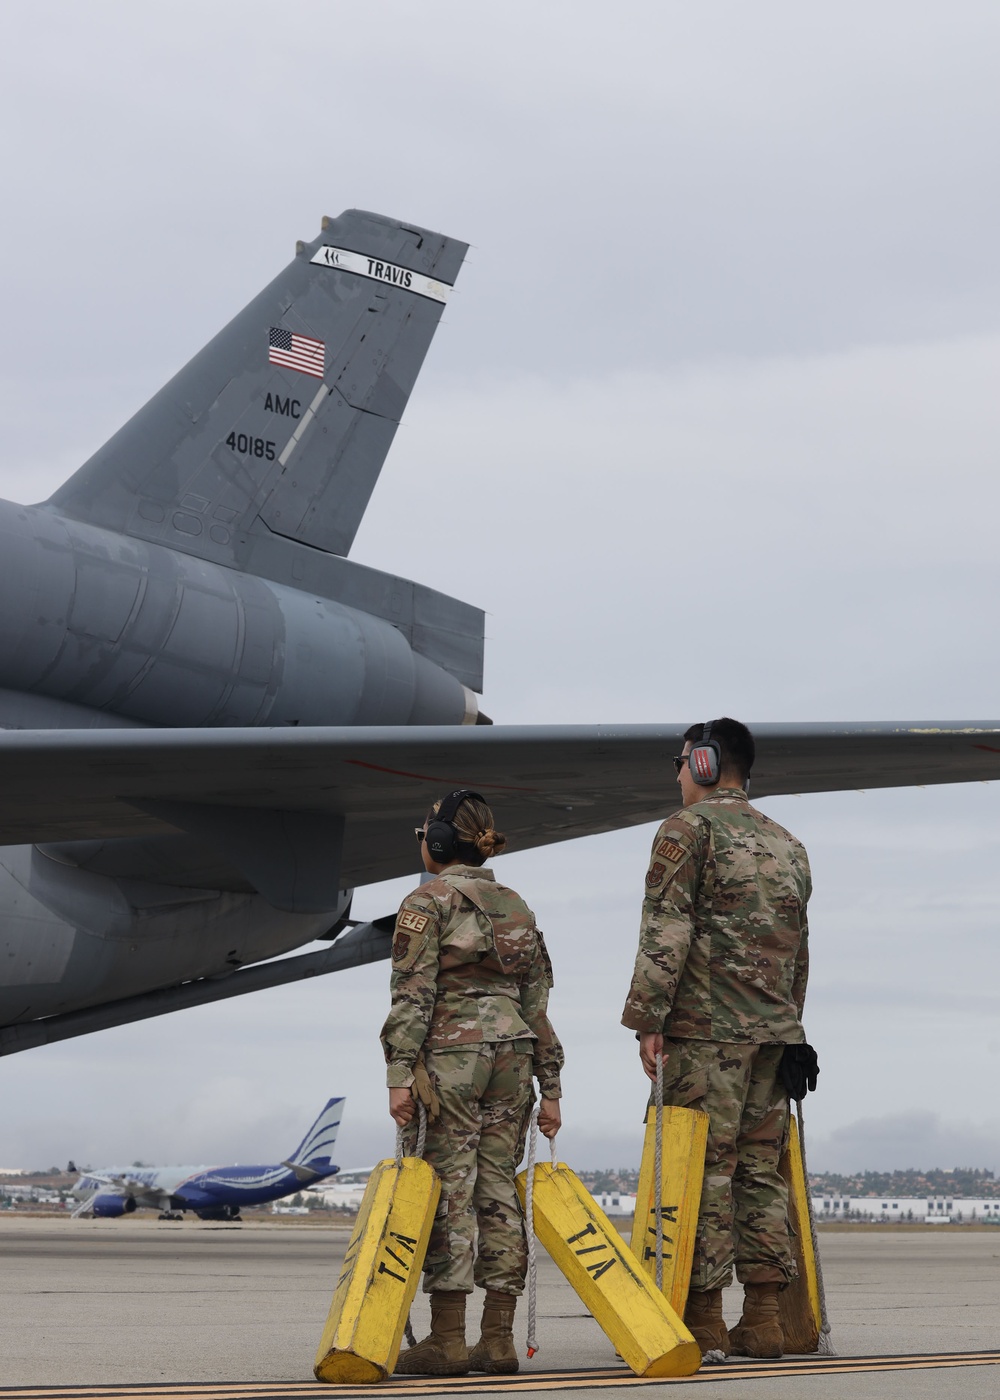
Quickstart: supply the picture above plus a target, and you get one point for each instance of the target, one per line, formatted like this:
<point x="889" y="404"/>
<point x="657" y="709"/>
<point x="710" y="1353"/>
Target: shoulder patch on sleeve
<point x="412" y="929"/>
<point x="675" y="841"/>
<point x="655" y="874"/>
<point x="670" y="850"/>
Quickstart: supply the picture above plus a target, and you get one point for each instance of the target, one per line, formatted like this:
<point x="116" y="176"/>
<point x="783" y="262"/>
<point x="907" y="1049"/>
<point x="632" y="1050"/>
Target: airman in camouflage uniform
<point x="470" y="986"/>
<point x="721" y="974"/>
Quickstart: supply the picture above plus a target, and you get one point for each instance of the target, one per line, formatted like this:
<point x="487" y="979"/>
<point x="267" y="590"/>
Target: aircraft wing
<point x="116" y="1182"/>
<point x="112" y="1184"/>
<point x="369" y="786"/>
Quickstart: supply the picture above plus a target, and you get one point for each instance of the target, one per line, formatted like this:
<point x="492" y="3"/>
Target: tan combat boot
<point x="758" y="1332"/>
<point x="444" y="1352"/>
<point x="494" y="1352"/>
<point x="703" y="1319"/>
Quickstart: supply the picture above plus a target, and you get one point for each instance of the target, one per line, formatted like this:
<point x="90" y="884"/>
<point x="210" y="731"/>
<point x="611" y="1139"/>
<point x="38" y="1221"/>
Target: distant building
<point x="344" y="1192"/>
<point x="928" y="1210"/>
<point x="616" y="1202"/>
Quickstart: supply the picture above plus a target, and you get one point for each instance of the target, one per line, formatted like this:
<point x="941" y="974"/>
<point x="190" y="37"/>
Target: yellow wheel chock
<point x="606" y="1275"/>
<point x="684" y="1134"/>
<point x="799" y="1303"/>
<point x="378" y="1282"/>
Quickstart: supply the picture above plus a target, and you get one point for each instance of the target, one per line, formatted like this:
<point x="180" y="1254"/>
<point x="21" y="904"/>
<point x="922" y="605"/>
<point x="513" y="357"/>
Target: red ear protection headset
<point x="705" y="759"/>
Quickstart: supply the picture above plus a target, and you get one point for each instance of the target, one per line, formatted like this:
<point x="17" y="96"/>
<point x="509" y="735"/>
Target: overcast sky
<point x="711" y="426"/>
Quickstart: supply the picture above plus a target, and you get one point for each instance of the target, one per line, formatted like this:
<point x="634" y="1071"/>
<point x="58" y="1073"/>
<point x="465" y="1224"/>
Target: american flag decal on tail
<point x="298" y="352"/>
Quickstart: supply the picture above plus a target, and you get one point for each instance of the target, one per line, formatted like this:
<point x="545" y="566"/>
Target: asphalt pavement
<point x="113" y="1303"/>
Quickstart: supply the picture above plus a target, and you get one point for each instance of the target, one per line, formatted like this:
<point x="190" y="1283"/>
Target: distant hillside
<point x="611" y="1179"/>
<point x="937" y="1181"/>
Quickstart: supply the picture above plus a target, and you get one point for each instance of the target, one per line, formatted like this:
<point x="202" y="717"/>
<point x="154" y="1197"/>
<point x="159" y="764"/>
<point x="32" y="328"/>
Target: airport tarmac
<point x="114" y="1303"/>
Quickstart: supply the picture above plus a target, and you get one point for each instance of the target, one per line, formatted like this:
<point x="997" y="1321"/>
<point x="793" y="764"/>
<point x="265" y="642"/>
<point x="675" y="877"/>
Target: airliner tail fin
<point x="319" y="1140"/>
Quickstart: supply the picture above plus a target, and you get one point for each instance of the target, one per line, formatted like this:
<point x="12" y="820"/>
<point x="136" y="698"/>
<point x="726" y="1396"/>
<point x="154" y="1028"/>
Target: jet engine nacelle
<point x="117" y="624"/>
<point x="108" y="1205"/>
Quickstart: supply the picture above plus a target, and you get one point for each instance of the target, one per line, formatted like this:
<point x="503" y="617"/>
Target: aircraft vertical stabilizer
<point x="280" y="425"/>
<point x="319" y="1140"/>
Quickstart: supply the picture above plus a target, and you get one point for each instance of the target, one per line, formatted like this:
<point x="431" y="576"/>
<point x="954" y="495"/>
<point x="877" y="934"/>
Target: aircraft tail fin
<point x="317" y="1145"/>
<point x="280" y="425"/>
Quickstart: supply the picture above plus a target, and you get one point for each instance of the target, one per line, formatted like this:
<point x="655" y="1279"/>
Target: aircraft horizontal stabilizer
<point x="548" y="783"/>
<point x="300" y="1173"/>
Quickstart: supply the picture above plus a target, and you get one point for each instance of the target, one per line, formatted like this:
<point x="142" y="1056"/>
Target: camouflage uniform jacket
<point x="723" y="952"/>
<point x="468" y="966"/>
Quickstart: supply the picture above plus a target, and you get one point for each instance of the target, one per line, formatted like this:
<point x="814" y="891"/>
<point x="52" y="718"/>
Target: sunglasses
<point x="419" y="833"/>
<point x="680" y="761"/>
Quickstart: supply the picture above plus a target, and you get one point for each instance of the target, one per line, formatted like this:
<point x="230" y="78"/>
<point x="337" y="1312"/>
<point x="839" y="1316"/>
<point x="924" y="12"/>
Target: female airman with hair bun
<point x="470" y="988"/>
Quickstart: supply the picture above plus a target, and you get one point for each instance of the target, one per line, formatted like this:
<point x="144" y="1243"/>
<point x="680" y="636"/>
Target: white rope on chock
<point x="411" y="1340"/>
<point x="825" y="1347"/>
<point x="421" y="1134"/>
<point x="658" y="1170"/>
<point x="529" y="1228"/>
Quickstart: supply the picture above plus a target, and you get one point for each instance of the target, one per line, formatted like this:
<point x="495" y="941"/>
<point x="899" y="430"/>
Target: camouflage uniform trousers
<point x="475" y="1146"/>
<point x="743" y="1216"/>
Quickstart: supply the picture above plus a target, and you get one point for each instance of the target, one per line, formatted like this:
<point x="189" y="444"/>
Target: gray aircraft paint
<point x="364" y="943"/>
<point x="68" y="934"/>
<point x="216" y="724"/>
<point x="168" y="475"/>
<point x="191" y="573"/>
<point x="117" y="624"/>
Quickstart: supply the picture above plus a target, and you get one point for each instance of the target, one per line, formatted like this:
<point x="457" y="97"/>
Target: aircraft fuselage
<point x="97" y="629"/>
<point x="211" y="1192"/>
<point x="70" y="938"/>
<point x="152" y="635"/>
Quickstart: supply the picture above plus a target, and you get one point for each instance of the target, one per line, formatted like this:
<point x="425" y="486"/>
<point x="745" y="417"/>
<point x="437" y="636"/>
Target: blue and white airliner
<point x="213" y="1193"/>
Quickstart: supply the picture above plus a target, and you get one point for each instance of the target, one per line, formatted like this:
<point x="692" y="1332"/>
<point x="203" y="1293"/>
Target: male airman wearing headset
<point x="718" y="988"/>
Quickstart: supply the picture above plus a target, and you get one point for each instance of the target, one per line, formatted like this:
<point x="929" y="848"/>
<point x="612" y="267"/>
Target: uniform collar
<point x="468" y="872"/>
<point x="727" y="794"/>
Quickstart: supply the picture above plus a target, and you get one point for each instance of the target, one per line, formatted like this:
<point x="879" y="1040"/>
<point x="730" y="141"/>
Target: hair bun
<point x="489" y="842"/>
<point x="477" y="836"/>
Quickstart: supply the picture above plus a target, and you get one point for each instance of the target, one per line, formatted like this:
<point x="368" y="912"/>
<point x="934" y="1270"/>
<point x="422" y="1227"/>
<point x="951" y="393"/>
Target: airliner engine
<point x="109" y="1206"/>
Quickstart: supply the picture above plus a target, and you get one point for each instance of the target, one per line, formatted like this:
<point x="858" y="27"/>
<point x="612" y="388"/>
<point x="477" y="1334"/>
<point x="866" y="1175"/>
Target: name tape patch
<point x="381" y="271"/>
<point x="671" y="851"/>
<point x="416" y="923"/>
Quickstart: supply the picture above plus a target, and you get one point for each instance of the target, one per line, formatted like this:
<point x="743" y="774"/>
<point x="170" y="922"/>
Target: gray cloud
<point x="682" y="182"/>
<point x="711" y="426"/>
<point x="923" y="1140"/>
